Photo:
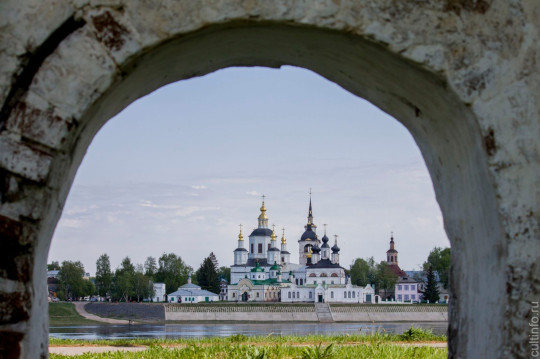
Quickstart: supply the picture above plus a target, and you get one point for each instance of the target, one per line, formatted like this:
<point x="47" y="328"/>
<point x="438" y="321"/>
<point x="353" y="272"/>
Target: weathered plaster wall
<point x="461" y="75"/>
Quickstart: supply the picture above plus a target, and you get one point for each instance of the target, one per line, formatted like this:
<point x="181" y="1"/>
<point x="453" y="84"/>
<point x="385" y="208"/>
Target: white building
<point x="160" y="293"/>
<point x="191" y="293"/>
<point x="262" y="272"/>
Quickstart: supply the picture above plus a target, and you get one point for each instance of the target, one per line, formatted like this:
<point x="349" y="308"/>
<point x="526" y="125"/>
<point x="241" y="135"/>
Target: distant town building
<point x="160" y="293"/>
<point x="264" y="272"/>
<point x="407" y="287"/>
<point x="191" y="293"/>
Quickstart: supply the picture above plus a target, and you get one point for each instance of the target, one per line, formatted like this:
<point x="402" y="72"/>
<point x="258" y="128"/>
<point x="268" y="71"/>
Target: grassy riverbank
<point x="64" y="314"/>
<point x="414" y="343"/>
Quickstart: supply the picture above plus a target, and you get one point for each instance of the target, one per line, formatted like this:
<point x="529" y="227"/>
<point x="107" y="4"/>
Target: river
<point x="200" y="330"/>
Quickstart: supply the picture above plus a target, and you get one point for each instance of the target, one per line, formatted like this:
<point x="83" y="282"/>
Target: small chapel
<point x="263" y="272"/>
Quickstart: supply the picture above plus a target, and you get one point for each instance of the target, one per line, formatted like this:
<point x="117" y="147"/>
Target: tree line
<point x="135" y="282"/>
<point x="379" y="275"/>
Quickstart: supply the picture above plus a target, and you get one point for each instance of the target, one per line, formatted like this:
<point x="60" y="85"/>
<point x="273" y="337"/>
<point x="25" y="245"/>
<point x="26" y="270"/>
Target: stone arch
<point x="463" y="95"/>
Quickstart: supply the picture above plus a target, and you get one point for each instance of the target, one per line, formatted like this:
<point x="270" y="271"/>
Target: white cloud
<point x="252" y="193"/>
<point x="71" y="223"/>
<point x="198" y="187"/>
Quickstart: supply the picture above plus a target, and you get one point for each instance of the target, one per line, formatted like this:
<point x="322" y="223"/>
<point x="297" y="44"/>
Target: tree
<point x="385" y="278"/>
<point x="431" y="292"/>
<point x="225" y="273"/>
<point x="172" y="271"/>
<point x="53" y="266"/>
<point x="207" y="276"/>
<point x="439" y="260"/>
<point x="150" y="267"/>
<point x="142" y="285"/>
<point x="104" y="275"/>
<point x="124" y="278"/>
<point x="363" y="271"/>
<point x="214" y="260"/>
<point x="72" y="284"/>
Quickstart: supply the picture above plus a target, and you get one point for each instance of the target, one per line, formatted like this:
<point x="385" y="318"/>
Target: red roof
<point x="397" y="271"/>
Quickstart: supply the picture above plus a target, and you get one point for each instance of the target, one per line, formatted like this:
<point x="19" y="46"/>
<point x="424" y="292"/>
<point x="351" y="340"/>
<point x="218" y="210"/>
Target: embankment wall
<point x="307" y="313"/>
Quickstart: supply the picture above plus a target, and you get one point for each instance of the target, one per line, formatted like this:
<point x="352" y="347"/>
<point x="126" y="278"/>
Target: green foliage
<point x="431" y="293"/>
<point x="317" y="352"/>
<point x="238" y="338"/>
<point x="150" y="267"/>
<point x="385" y="278"/>
<point x="53" y="266"/>
<point x="172" y="271"/>
<point x="225" y="272"/>
<point x="363" y="272"/>
<point x="104" y="276"/>
<point x="374" y="347"/>
<point x="142" y="286"/>
<point x="418" y="334"/>
<point x="439" y="260"/>
<point x="207" y="276"/>
<point x="71" y="281"/>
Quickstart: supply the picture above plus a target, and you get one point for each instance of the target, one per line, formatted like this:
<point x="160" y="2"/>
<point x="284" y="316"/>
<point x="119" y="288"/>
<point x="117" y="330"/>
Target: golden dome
<point x="273" y="236"/>
<point x="240" y="236"/>
<point x="263" y="212"/>
<point x="283" y="239"/>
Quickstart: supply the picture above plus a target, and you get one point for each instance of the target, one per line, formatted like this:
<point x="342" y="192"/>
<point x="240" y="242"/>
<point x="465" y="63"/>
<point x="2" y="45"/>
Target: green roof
<point x="275" y="267"/>
<point x="257" y="268"/>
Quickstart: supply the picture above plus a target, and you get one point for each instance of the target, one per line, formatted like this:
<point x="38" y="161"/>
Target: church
<point x="263" y="272"/>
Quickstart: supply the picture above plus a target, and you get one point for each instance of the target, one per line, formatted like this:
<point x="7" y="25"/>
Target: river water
<point x="200" y="330"/>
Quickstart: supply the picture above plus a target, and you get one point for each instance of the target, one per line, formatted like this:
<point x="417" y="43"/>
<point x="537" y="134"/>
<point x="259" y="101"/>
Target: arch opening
<point x="442" y="126"/>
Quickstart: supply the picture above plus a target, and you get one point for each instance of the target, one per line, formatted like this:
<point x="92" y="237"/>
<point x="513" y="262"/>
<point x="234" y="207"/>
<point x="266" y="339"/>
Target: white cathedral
<point x="263" y="272"/>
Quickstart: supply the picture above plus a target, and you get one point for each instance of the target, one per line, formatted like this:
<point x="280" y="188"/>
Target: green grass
<point x="64" y="314"/>
<point x="411" y="335"/>
<point x="371" y="350"/>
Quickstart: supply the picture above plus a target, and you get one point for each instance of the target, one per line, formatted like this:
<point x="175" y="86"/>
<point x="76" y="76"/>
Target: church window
<point x="399" y="287"/>
<point x="331" y="294"/>
<point x="269" y="246"/>
<point x="413" y="296"/>
<point x="406" y="297"/>
<point x="301" y="282"/>
<point x="332" y="282"/>
<point x="399" y="297"/>
<point x="312" y="275"/>
<point x="260" y="248"/>
<point x="298" y="295"/>
<point x="252" y="248"/>
<point x="413" y="287"/>
<point x="323" y="275"/>
<point x="310" y="295"/>
<point x="333" y="275"/>
<point x="314" y="282"/>
<point x="353" y="293"/>
<point x="257" y="294"/>
<point x="406" y="287"/>
<point x="282" y="259"/>
<point x="289" y="295"/>
<point x="323" y="282"/>
<point x="293" y="295"/>
<point x="234" y="295"/>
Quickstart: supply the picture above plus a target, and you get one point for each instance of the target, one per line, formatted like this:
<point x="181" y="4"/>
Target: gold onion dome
<point x="263" y="212"/>
<point x="240" y="235"/>
<point x="283" y="239"/>
<point x="273" y="236"/>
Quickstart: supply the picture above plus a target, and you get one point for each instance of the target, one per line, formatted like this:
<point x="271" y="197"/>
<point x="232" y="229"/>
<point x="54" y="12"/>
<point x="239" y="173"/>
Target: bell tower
<point x="392" y="253"/>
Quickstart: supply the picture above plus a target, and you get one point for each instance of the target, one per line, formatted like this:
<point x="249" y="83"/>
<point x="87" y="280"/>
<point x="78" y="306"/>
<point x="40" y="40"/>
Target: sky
<point x="179" y="169"/>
